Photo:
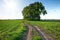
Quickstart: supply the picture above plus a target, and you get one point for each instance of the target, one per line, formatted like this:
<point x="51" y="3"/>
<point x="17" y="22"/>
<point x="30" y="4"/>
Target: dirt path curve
<point x="29" y="35"/>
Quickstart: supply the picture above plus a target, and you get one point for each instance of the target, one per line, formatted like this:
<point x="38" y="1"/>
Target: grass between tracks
<point x="36" y="36"/>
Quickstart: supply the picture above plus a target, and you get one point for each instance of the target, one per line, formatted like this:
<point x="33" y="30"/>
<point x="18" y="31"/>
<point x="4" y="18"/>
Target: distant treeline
<point x="46" y="20"/>
<point x="51" y="20"/>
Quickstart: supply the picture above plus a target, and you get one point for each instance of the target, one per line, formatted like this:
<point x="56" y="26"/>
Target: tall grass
<point x="11" y="30"/>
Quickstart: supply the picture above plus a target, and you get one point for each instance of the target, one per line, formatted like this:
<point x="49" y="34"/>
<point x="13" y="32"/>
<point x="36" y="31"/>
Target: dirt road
<point x="29" y="35"/>
<point x="40" y="31"/>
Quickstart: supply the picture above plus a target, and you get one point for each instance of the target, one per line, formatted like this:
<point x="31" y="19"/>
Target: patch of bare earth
<point x="29" y="35"/>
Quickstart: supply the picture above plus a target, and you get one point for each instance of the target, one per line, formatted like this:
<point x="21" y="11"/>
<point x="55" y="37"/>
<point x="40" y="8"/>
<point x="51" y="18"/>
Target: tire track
<point x="29" y="35"/>
<point x="43" y="34"/>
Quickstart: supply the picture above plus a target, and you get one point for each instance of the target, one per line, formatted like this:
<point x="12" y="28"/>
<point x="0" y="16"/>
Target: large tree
<point x="33" y="11"/>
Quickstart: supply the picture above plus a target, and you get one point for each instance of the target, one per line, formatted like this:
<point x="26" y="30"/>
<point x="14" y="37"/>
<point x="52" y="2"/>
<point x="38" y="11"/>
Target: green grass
<point x="51" y="28"/>
<point x="36" y="35"/>
<point x="11" y="29"/>
<point x="14" y="29"/>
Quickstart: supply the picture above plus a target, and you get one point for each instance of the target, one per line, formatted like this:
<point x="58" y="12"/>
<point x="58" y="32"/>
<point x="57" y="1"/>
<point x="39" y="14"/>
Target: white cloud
<point x="9" y="9"/>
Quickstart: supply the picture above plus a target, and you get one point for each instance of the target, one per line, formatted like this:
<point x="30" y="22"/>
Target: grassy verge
<point x="11" y="30"/>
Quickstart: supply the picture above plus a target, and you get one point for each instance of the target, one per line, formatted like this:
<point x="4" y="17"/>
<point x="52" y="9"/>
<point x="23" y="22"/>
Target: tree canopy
<point x="33" y="11"/>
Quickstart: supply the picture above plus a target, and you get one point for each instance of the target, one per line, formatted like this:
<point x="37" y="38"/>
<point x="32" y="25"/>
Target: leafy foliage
<point x="33" y="11"/>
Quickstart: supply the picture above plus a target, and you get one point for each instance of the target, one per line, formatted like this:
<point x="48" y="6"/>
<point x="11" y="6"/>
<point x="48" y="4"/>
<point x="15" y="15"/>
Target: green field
<point x="52" y="28"/>
<point x="11" y="30"/>
<point x="15" y="29"/>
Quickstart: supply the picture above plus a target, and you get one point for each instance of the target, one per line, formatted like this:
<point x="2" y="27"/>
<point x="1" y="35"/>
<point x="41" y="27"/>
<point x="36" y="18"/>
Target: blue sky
<point x="12" y="9"/>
